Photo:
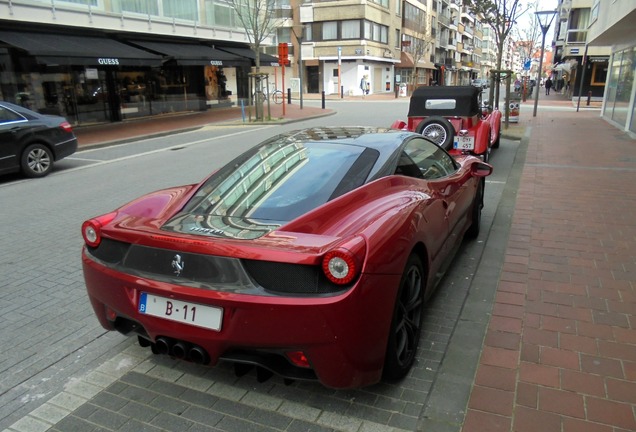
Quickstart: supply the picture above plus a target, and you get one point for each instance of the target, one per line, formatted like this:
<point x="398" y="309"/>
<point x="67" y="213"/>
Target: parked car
<point x="31" y="142"/>
<point x="309" y="256"/>
<point x="481" y="83"/>
<point x="455" y="119"/>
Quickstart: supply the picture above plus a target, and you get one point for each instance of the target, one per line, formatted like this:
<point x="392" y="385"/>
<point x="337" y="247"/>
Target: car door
<point x="448" y="184"/>
<point x="415" y="161"/>
<point x="10" y="125"/>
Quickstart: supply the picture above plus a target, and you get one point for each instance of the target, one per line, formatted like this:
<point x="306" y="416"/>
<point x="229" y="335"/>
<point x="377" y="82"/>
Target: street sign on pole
<point x="526" y="64"/>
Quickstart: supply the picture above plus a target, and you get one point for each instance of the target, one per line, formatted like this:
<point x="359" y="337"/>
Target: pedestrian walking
<point x="548" y="86"/>
<point x="364" y="85"/>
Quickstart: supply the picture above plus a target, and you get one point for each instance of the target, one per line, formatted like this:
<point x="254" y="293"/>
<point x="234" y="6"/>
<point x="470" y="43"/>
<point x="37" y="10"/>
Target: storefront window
<point x="624" y="84"/>
<point x="134" y="94"/>
<point x="215" y="85"/>
<point x="632" y="51"/>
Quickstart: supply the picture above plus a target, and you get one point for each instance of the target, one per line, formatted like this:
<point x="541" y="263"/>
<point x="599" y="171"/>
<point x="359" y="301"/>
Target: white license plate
<point x="464" y="143"/>
<point x="195" y="314"/>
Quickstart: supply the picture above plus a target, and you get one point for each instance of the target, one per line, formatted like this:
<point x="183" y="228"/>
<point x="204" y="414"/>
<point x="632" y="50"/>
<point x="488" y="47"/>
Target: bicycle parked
<point x="263" y="95"/>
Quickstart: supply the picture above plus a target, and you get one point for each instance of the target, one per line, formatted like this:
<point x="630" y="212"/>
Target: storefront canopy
<point x="407" y="62"/>
<point x="61" y="49"/>
<point x="266" y="59"/>
<point x="193" y="54"/>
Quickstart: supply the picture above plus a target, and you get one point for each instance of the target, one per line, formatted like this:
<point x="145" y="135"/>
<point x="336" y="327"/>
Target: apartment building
<point x="612" y="25"/>
<point x="571" y="48"/>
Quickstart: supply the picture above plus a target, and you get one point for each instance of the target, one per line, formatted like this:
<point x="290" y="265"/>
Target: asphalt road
<point x="53" y="345"/>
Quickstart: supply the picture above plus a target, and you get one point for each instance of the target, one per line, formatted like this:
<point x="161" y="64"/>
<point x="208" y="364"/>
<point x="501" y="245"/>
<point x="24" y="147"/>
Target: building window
<point x="384" y="3"/>
<point x="376" y="32"/>
<point x="181" y="9"/>
<point x="330" y="30"/>
<point x="91" y="2"/>
<point x="599" y="73"/>
<point x="137" y="6"/>
<point x="219" y="13"/>
<point x="351" y="29"/>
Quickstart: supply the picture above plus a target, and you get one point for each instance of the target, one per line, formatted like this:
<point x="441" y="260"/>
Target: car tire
<point x="487" y="155"/>
<point x="478" y="205"/>
<point x="36" y="161"/>
<point x="438" y="130"/>
<point x="406" y="324"/>
<point x="497" y="141"/>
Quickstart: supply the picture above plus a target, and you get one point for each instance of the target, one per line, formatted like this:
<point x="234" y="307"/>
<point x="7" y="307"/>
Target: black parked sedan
<point x="30" y="142"/>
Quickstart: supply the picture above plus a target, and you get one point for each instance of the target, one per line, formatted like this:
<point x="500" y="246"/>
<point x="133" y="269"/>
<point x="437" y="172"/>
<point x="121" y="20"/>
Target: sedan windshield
<point x="282" y="181"/>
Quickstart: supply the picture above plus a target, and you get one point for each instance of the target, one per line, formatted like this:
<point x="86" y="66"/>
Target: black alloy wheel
<point x="406" y="325"/>
<point x="37" y="160"/>
<point x="478" y="205"/>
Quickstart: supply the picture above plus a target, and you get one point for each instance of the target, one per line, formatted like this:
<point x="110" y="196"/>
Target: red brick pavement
<point x="560" y="350"/>
<point x="153" y="126"/>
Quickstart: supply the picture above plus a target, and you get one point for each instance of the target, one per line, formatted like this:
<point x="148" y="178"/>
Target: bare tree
<point x="418" y="32"/>
<point x="529" y="36"/>
<point x="501" y="16"/>
<point x="259" y="20"/>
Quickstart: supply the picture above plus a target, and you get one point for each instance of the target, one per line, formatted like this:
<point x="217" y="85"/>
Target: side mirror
<point x="481" y="169"/>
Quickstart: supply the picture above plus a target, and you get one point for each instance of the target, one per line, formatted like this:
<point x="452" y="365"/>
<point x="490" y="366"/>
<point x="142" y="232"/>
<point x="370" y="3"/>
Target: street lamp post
<point x="545" y="19"/>
<point x="299" y="39"/>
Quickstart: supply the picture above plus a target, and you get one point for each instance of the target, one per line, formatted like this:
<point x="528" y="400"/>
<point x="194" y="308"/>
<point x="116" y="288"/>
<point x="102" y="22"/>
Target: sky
<point x="527" y="20"/>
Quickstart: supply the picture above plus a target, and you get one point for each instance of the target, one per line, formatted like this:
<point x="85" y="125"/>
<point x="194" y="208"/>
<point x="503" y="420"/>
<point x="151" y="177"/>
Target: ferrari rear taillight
<point x="66" y="126"/>
<point x="91" y="229"/>
<point x="344" y="263"/>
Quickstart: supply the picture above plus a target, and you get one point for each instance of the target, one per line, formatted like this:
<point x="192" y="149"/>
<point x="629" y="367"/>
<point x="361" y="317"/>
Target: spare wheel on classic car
<point x="439" y="130"/>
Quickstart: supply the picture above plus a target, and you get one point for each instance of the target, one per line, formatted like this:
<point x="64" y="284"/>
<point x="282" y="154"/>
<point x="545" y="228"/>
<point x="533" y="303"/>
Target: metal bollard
<point x="288" y="96"/>
<point x="589" y="98"/>
<point x="323" y="99"/>
<point x="341" y="92"/>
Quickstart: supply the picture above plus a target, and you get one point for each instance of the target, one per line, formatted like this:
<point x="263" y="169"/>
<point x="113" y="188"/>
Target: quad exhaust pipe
<point x="178" y="349"/>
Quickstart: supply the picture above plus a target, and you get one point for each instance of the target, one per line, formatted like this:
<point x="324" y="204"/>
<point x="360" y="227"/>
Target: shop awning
<point x="266" y="59"/>
<point x="61" y="49"/>
<point x="563" y="67"/>
<point x="191" y="54"/>
<point x="406" y="62"/>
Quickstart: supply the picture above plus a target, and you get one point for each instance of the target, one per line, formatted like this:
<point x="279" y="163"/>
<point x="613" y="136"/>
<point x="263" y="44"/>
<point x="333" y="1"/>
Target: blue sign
<point x="527" y="63"/>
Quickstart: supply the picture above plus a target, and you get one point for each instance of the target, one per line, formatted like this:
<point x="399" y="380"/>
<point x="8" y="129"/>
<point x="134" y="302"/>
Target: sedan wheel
<point x="406" y="324"/>
<point x="37" y="161"/>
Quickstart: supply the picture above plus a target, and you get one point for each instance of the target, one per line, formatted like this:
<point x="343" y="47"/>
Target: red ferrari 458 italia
<point x="309" y="256"/>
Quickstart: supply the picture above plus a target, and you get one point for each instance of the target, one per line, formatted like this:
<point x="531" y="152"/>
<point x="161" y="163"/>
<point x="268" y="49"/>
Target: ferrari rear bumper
<point x="343" y="337"/>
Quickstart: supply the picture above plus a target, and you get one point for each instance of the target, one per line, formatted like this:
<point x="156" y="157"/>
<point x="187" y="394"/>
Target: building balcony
<point x="444" y="20"/>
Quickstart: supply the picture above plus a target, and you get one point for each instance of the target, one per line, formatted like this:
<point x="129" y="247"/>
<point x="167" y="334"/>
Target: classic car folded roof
<point x="466" y="98"/>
